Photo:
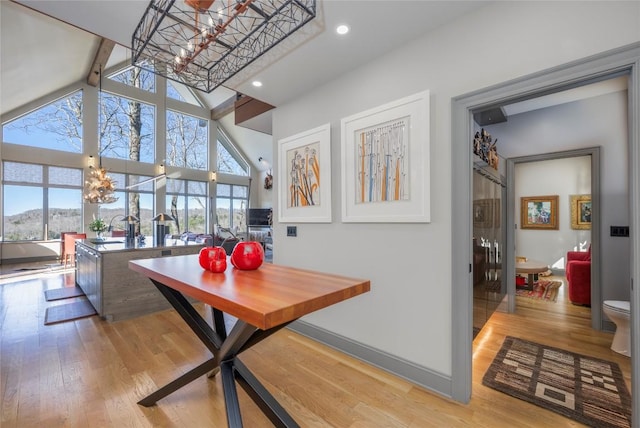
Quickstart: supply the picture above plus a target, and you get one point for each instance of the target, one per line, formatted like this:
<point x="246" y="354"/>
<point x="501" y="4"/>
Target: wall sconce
<point x="213" y="175"/>
<point x="91" y="162"/>
<point x="161" y="169"/>
<point x="264" y="162"/>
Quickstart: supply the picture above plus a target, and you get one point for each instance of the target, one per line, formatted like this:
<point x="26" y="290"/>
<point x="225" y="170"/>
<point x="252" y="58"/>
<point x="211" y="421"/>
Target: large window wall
<point x="135" y="125"/>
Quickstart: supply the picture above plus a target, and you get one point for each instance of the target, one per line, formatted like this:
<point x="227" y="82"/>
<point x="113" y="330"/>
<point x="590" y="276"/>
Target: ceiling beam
<point x="247" y="108"/>
<point x="102" y="55"/>
<point x="224" y="108"/>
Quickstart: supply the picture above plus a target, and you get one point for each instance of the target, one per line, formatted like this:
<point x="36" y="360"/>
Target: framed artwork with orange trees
<point x="386" y="163"/>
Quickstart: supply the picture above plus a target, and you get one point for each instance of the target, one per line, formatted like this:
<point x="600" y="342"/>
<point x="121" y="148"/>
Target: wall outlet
<point x="292" y="231"/>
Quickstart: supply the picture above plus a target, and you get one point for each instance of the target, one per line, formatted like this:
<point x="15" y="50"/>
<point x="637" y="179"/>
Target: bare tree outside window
<point x="56" y="126"/>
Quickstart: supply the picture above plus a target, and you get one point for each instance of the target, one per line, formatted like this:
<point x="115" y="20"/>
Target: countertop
<point x="113" y="245"/>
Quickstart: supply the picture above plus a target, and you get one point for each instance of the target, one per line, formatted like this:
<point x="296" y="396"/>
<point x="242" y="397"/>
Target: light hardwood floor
<point x="90" y="373"/>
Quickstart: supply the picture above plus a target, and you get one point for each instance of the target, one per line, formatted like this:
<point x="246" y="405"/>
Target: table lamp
<point x="131" y="227"/>
<point x="161" y="227"/>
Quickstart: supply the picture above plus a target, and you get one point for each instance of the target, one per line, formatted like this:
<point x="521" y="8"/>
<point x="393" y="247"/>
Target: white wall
<point x="407" y="314"/>
<point x="252" y="145"/>
<point x="599" y="121"/>
<point x="265" y="196"/>
<point x="561" y="177"/>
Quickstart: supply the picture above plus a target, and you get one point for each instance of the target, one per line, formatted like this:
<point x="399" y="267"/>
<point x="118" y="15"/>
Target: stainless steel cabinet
<point x="88" y="275"/>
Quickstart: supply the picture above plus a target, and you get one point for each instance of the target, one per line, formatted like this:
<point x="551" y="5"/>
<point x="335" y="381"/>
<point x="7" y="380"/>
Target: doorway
<point x="581" y="163"/>
<point x="622" y="61"/>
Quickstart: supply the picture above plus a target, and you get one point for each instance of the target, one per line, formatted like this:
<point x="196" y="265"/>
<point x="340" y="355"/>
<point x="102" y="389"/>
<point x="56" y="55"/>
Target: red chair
<point x="62" y="246"/>
<point x="578" y="271"/>
<point x="70" y="246"/>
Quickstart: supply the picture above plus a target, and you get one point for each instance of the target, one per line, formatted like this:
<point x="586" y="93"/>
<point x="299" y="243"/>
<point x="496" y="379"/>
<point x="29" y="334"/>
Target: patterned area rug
<point x="542" y="290"/>
<point x="585" y="389"/>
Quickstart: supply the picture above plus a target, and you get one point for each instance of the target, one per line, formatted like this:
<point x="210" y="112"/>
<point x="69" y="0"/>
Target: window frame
<point x="45" y="185"/>
<point x="231" y="198"/>
<point x="228" y="144"/>
<point x="90" y="144"/>
<point x="187" y="195"/>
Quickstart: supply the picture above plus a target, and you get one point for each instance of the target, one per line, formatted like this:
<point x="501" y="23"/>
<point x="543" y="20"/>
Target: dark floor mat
<point x="63" y="293"/>
<point x="68" y="312"/>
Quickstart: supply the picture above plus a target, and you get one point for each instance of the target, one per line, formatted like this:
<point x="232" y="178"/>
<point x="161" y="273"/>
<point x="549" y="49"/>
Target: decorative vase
<point x="247" y="255"/>
<point x="213" y="259"/>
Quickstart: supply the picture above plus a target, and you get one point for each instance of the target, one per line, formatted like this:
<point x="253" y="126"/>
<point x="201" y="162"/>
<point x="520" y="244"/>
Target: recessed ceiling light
<point x="257" y="83"/>
<point x="342" y="29"/>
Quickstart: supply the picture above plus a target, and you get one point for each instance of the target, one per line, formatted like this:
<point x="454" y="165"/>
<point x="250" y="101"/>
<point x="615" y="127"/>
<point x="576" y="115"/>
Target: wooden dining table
<point x="263" y="300"/>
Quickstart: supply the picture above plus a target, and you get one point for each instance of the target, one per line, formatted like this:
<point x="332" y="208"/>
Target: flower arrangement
<point x="97" y="225"/>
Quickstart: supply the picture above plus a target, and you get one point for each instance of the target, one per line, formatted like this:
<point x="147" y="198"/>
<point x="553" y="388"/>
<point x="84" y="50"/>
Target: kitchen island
<point x="114" y="290"/>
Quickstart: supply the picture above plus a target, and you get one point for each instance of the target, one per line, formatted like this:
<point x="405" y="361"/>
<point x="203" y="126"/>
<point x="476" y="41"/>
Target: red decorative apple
<point x="213" y="259"/>
<point x="247" y="255"/>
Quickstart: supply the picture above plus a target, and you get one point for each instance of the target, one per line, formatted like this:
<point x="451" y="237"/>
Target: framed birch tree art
<point x="386" y="163"/>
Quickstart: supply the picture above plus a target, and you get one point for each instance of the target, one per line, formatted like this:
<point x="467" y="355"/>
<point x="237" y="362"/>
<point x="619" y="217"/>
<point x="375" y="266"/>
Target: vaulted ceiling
<point x="46" y="45"/>
<point x="49" y="44"/>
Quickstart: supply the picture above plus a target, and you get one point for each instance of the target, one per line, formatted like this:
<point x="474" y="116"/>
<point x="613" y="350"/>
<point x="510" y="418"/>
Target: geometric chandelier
<point x="202" y="43"/>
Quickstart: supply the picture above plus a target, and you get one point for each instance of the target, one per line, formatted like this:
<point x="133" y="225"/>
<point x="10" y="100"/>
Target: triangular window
<point x="229" y="159"/>
<point x="181" y="93"/>
<point x="55" y="126"/>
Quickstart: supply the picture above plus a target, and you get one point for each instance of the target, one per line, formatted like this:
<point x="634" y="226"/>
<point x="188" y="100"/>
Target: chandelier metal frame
<point x="203" y="43"/>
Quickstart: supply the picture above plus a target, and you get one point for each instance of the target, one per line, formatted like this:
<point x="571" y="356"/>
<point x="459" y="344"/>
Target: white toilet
<point x="619" y="312"/>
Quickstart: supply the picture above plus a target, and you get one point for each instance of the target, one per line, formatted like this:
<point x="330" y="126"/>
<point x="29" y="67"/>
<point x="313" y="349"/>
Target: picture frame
<point x="386" y="163"/>
<point x="580" y="206"/>
<point x="483" y="210"/>
<point x="539" y="212"/>
<point x="304" y="178"/>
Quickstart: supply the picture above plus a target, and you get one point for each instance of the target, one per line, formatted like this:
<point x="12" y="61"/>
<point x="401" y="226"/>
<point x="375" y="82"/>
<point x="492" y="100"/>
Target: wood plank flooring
<point x="90" y="373"/>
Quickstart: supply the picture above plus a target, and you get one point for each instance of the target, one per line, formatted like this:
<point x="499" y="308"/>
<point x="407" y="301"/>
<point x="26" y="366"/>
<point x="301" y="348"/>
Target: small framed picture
<point x="483" y="213"/>
<point x="539" y="212"/>
<point x="581" y="212"/>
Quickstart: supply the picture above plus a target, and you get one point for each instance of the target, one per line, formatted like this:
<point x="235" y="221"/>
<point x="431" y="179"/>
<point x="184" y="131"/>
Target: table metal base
<point x="225" y="349"/>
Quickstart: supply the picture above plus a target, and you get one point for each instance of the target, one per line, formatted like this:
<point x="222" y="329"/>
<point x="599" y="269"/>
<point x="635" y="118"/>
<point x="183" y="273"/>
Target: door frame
<point x="596" y="222"/>
<point x="621" y="61"/>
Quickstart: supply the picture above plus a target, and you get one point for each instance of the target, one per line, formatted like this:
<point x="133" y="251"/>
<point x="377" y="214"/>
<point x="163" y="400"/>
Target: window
<point x="190" y="197"/>
<point x="41" y="201"/>
<point x="231" y="199"/>
<point x="182" y="93"/>
<point x="136" y="201"/>
<point x="187" y="141"/>
<point x="126" y="128"/>
<point x="56" y="126"/>
<point x="136" y="77"/>
<point x="229" y="160"/>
